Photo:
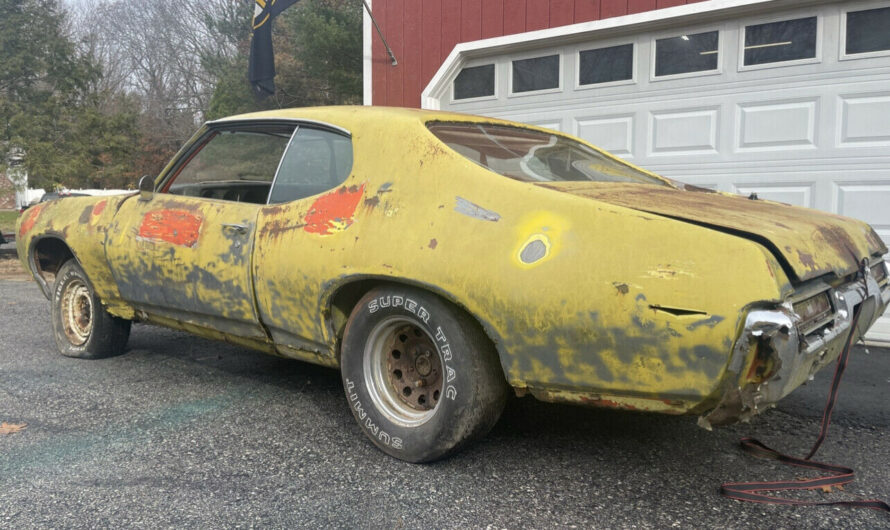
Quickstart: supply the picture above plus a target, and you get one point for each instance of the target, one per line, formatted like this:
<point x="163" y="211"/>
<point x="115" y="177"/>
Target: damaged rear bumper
<point x="773" y="355"/>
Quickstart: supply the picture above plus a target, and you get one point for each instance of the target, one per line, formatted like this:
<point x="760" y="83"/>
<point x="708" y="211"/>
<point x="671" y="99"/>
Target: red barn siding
<point x="422" y="33"/>
<point x="492" y="18"/>
<point x="587" y="10"/>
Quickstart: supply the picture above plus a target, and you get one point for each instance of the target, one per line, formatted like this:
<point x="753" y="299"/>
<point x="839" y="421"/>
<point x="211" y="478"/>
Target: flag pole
<point x="388" y="49"/>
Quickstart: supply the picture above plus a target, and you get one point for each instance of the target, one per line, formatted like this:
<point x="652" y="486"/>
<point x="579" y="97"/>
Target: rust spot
<point x="433" y="244"/>
<point x="333" y="211"/>
<point x="100" y="207"/>
<point x="29" y="220"/>
<point x="177" y="227"/>
<point x="608" y="403"/>
<point x="622" y="287"/>
<point x="806" y="260"/>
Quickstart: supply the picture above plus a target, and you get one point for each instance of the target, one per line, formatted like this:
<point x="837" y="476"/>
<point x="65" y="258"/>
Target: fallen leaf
<point x="9" y="428"/>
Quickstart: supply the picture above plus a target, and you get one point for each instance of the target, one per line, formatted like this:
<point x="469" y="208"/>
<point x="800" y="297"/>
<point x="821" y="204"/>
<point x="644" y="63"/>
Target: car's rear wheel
<point x="421" y="377"/>
<point x="81" y="325"/>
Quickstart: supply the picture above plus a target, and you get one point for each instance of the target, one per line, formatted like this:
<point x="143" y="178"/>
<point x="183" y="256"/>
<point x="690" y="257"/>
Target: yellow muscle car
<point x="441" y="261"/>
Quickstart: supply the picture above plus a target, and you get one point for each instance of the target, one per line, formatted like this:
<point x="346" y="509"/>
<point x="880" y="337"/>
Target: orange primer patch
<point x="333" y="211"/>
<point x="99" y="207"/>
<point x="178" y="227"/>
<point x="29" y="220"/>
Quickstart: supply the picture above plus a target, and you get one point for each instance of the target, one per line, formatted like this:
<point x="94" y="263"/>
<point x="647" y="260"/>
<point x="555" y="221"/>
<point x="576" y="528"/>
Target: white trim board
<point x="699" y="12"/>
<point x="367" y="57"/>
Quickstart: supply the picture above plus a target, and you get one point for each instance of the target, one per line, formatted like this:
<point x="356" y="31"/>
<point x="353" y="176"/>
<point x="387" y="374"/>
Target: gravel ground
<point x="181" y="431"/>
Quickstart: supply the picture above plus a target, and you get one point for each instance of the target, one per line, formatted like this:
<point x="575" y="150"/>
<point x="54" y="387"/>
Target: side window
<point x="315" y="161"/>
<point x="236" y="165"/>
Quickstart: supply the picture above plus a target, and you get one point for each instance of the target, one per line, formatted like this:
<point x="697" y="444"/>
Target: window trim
<point x="290" y="142"/>
<point x="721" y="30"/>
<point x="207" y="131"/>
<point x="842" y="54"/>
<point x="537" y="54"/>
<point x="494" y="96"/>
<point x="576" y="52"/>
<point x="743" y="28"/>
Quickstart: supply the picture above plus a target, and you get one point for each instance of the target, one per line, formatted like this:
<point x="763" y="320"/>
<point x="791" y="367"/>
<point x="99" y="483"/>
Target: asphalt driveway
<point x="182" y="432"/>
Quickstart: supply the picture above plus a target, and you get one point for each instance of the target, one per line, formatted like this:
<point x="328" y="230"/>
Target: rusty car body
<point x="572" y="274"/>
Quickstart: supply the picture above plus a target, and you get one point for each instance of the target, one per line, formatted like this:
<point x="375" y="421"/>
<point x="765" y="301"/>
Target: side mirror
<point x="146" y="188"/>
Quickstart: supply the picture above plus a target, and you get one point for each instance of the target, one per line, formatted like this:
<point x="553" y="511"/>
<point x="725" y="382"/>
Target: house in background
<point x="786" y="99"/>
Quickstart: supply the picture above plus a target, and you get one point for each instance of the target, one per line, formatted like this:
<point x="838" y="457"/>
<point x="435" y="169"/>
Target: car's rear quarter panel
<point x="579" y="319"/>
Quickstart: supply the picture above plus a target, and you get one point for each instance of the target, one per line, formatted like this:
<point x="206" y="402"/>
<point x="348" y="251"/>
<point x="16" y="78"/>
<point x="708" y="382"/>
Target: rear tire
<point x="81" y="326"/>
<point x="421" y="377"/>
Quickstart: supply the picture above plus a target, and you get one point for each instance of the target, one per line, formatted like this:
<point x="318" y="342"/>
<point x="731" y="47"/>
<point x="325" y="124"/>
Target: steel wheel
<point x="403" y="371"/>
<point x="81" y="325"/>
<point x="77" y="312"/>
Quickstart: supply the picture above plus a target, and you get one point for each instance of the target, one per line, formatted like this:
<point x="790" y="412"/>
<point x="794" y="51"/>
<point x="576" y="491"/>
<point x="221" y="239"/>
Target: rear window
<point x="534" y="156"/>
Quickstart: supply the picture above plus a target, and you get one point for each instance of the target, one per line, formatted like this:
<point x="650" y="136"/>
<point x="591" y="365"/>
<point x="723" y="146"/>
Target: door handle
<point x="233" y="227"/>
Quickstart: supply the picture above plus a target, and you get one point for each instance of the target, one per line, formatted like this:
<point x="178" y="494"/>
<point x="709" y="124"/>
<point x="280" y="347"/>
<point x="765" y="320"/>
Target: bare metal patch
<point x="475" y="211"/>
<point x="534" y="251"/>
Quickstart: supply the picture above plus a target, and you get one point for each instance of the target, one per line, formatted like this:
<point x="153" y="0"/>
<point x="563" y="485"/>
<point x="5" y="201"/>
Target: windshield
<point x="534" y="156"/>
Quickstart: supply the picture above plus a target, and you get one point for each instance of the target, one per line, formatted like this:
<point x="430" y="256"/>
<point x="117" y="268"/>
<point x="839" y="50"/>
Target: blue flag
<point x="261" y="66"/>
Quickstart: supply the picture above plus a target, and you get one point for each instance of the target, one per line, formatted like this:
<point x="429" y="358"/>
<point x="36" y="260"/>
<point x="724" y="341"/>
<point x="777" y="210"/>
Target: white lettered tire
<point x="81" y="326"/>
<point x="421" y="377"/>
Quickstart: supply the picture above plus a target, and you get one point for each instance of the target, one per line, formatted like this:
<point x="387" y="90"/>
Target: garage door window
<point x="474" y="82"/>
<point x="606" y="65"/>
<point x="868" y="31"/>
<point x="686" y="54"/>
<point x="788" y="40"/>
<point x="538" y="73"/>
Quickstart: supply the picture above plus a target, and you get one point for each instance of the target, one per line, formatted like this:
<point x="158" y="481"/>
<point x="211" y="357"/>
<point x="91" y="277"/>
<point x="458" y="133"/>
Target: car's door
<point x="302" y="235"/>
<point x="185" y="253"/>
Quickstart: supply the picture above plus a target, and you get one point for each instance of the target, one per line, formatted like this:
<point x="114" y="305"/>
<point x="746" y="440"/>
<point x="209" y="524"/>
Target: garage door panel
<point x="869" y="202"/>
<point x="864" y="120"/>
<point x="612" y="133"/>
<point x="684" y="132"/>
<point x="780" y="125"/>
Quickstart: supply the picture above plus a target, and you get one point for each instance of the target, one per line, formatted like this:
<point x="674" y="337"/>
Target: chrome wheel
<point x="77" y="312"/>
<point x="403" y="371"/>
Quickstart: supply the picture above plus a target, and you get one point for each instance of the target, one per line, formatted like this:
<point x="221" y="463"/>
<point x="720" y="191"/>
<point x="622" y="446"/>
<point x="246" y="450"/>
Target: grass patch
<point x="7" y="221"/>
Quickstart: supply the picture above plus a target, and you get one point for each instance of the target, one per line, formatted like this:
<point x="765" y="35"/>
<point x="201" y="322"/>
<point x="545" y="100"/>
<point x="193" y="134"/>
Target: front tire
<point x="81" y="326"/>
<point x="421" y="377"/>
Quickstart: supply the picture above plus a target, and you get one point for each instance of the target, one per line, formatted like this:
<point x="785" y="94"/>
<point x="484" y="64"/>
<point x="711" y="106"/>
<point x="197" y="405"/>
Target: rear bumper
<point x="772" y="357"/>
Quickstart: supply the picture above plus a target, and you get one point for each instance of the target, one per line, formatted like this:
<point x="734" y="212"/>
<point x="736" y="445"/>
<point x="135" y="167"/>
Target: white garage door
<point x="792" y="105"/>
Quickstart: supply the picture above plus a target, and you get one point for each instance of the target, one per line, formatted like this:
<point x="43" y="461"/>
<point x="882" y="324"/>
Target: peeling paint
<point x="333" y="212"/>
<point x="475" y="211"/>
<point x="177" y="227"/>
<point x="621" y="287"/>
<point x="29" y="220"/>
<point x="99" y="208"/>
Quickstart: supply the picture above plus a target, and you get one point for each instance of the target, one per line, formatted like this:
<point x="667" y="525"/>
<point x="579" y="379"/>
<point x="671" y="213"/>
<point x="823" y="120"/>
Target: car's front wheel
<point x="81" y="325"/>
<point x="421" y="377"/>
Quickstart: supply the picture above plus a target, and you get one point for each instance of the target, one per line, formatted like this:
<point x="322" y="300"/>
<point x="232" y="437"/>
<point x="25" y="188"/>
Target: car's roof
<point x="346" y="115"/>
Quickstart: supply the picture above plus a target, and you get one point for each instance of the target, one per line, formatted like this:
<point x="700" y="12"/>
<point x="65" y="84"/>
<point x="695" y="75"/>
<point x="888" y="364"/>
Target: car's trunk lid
<point x="808" y="243"/>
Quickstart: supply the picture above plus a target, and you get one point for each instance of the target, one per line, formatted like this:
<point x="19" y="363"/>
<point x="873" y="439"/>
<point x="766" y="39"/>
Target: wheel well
<point x="347" y="296"/>
<point x="49" y="254"/>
